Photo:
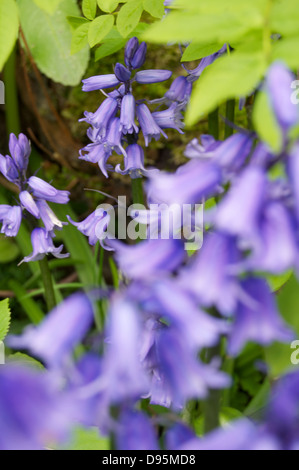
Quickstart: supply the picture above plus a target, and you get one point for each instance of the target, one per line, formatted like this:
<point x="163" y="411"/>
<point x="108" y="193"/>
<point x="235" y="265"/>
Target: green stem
<point x="214" y="124"/>
<point x="138" y="198"/>
<point x="11" y="96"/>
<point x="211" y="407"/>
<point x="230" y="116"/>
<point x="137" y="191"/>
<point x="48" y="284"/>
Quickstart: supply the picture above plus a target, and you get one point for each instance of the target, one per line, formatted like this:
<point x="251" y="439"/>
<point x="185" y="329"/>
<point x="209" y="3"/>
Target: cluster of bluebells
<point x="159" y="322"/>
<point x="114" y="125"/>
<point x="34" y="195"/>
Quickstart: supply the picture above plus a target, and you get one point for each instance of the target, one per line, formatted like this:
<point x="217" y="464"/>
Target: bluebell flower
<point x="139" y="57"/>
<point x="162" y="257"/>
<point x="134" y="163"/>
<point x="100" y="119"/>
<point x="42" y="243"/>
<point x="11" y="218"/>
<point x="122" y="73"/>
<point x="29" y="203"/>
<point x="42" y="190"/>
<point x="127" y="115"/>
<point x="179" y="91"/>
<point x="204" y="150"/>
<point x="149" y="127"/>
<point x="135" y="431"/>
<point x="100" y="82"/>
<point x="177" y="375"/>
<point x="257" y="318"/>
<point x="131" y="48"/>
<point x="239" y="212"/>
<point x="211" y="276"/>
<point x="204" y="63"/>
<point x="276" y="229"/>
<point x="189" y="185"/>
<point x="170" y="118"/>
<point x="62" y="330"/>
<point x="145" y="77"/>
<point x="49" y="218"/>
<point x="178" y="435"/>
<point x="20" y="150"/>
<point x="278" y="84"/>
<point x="95" y="226"/>
<point x="242" y="435"/>
<point x="34" y="412"/>
<point x="123" y="374"/>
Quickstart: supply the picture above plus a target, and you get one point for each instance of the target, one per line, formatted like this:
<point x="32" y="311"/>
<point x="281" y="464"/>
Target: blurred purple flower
<point x="11" y="218"/>
<point x="135" y="432"/>
<point x="62" y="330"/>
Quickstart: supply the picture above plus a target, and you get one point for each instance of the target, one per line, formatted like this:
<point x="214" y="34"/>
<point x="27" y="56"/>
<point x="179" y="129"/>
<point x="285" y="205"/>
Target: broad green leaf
<point x="109" y="48"/>
<point x="206" y="27"/>
<point x="49" y="39"/>
<point x="286" y="50"/>
<point x="232" y="76"/>
<point x="87" y="439"/>
<point x="80" y="38"/>
<point x="9" y="26"/>
<point x="278" y="356"/>
<point x="154" y="7"/>
<point x="265" y="123"/>
<point x="5" y="317"/>
<point x="9" y="250"/>
<point x="278" y="281"/>
<point x="285" y="17"/>
<point x="108" y="6"/>
<point x="76" y="21"/>
<point x="129" y="16"/>
<point x="197" y="51"/>
<point x="49" y="6"/>
<point x="24" y="360"/>
<point x="99" y="29"/>
<point x="89" y="8"/>
<point x="260" y="400"/>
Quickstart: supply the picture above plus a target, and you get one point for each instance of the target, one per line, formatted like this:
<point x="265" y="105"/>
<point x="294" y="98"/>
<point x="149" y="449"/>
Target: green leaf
<point x="49" y="39"/>
<point x="89" y="8"/>
<point x="24" y="360"/>
<point x="9" y="250"/>
<point x="99" y="29"/>
<point x="278" y="356"/>
<point x="109" y="48"/>
<point x="80" y="38"/>
<point x="208" y="23"/>
<point x="278" y="281"/>
<point x="129" y="16"/>
<point x="30" y="307"/>
<point x="77" y="244"/>
<point x="9" y="27"/>
<point x="197" y="51"/>
<point x="285" y="17"/>
<point x="76" y="21"/>
<point x="154" y="7"/>
<point x="5" y="317"/>
<point x="49" y="6"/>
<point x="87" y="439"/>
<point x="108" y="6"/>
<point x="232" y="76"/>
<point x="287" y="51"/>
<point x="265" y="123"/>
